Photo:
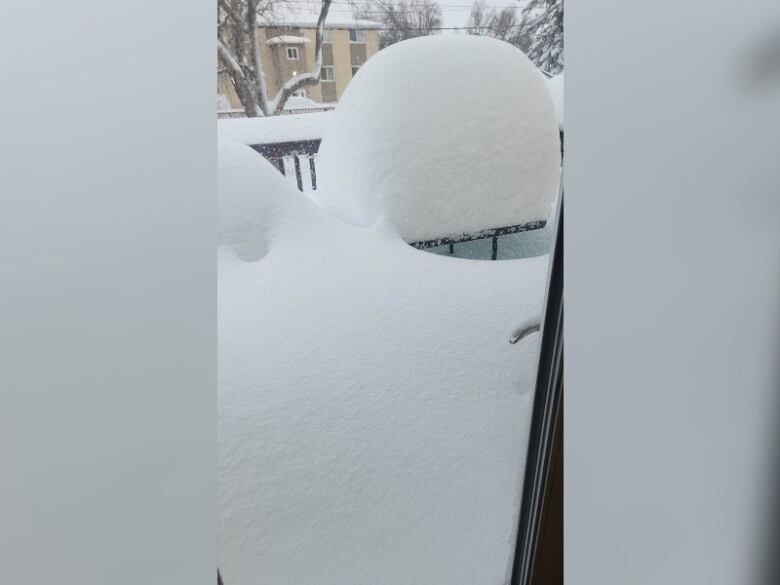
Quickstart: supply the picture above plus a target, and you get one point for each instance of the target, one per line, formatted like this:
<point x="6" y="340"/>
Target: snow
<point x="555" y="87"/>
<point x="249" y="200"/>
<point x="287" y="40"/>
<point x="288" y="128"/>
<point x="373" y="417"/>
<point x="296" y="102"/>
<point x="439" y="136"/>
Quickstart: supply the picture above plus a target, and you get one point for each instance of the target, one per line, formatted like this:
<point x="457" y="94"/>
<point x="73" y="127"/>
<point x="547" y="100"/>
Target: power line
<point x="364" y="4"/>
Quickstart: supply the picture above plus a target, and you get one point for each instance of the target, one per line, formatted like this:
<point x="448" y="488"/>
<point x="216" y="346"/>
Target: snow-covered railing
<point x="231" y="113"/>
<point x="492" y="234"/>
<point x="240" y="113"/>
<point x="295" y="160"/>
<point x="312" y="110"/>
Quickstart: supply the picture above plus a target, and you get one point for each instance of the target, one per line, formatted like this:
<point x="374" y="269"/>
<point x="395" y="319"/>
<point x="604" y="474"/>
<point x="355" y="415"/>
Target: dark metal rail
<point x="277" y="152"/>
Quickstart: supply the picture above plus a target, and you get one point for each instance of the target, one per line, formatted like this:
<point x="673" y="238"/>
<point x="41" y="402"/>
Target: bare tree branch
<point x="305" y="79"/>
<point x="234" y="16"/>
<point x="402" y="19"/>
<point x="257" y="63"/>
<point x="229" y="60"/>
<point x="504" y="24"/>
<point x="240" y="49"/>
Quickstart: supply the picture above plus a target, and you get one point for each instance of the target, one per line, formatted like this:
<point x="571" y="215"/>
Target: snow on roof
<point x="306" y="14"/>
<point x="287" y="40"/>
<point x="331" y="24"/>
<point x="290" y="128"/>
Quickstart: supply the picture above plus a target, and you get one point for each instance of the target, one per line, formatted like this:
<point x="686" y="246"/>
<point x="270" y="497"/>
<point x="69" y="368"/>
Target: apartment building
<point x="288" y="49"/>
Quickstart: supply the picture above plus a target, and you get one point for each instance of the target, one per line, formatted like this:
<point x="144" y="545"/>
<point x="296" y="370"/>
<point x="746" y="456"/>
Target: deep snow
<point x="373" y="417"/>
<point x="270" y="129"/>
<point x="555" y="87"/>
<point x="433" y="125"/>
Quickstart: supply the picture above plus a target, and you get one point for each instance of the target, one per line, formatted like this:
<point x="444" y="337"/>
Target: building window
<point x="292" y="53"/>
<point x="354" y="70"/>
<point x="326" y="35"/>
<point x="357" y="35"/>
<point x="326" y="74"/>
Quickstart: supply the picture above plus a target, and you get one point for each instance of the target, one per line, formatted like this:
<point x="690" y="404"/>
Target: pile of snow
<point x="253" y="196"/>
<point x="373" y="418"/>
<point x="297" y="102"/>
<point x="270" y="129"/>
<point x="555" y="87"/>
<point x="442" y="135"/>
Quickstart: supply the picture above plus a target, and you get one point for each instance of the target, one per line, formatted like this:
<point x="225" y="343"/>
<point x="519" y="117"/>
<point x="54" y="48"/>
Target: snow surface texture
<point x="288" y="128"/>
<point x="373" y="417"/>
<point x="296" y="102"/>
<point x="555" y="87"/>
<point x="442" y="135"/>
<point x="250" y="201"/>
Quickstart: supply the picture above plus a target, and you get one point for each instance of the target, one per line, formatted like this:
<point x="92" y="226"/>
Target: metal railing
<point x="240" y="113"/>
<point x="297" y="161"/>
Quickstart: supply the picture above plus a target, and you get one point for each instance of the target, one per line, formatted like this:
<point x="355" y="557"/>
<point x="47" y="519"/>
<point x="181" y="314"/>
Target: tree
<point x="503" y="24"/>
<point x="403" y="19"/>
<point x="239" y="50"/>
<point x="543" y="25"/>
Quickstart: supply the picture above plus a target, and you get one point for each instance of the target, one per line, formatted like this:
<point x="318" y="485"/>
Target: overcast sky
<point x="454" y="13"/>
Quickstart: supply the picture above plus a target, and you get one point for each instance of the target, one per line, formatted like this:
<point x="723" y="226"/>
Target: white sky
<point x="454" y="13"/>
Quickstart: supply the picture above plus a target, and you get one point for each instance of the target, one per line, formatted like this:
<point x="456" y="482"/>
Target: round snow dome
<point x="441" y="136"/>
<point x="252" y="195"/>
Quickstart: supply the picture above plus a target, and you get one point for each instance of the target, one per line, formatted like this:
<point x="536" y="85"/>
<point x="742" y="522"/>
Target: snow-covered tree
<point x="503" y="24"/>
<point x="543" y="25"/>
<point x="402" y="20"/>
<point x="239" y="50"/>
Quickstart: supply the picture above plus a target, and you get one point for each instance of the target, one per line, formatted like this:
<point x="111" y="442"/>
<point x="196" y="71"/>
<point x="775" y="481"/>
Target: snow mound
<point x="373" y="418"/>
<point x="442" y="135"/>
<point x="297" y="102"/>
<point x="270" y="129"/>
<point x="253" y="197"/>
<point x="555" y="87"/>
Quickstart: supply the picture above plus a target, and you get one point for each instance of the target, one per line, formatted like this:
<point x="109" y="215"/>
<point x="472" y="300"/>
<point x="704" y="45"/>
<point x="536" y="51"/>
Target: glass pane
<point x="382" y="277"/>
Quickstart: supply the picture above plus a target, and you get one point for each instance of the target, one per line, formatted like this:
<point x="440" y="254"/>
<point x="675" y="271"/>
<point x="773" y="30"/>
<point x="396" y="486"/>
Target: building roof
<point x="287" y="40"/>
<point x="305" y="14"/>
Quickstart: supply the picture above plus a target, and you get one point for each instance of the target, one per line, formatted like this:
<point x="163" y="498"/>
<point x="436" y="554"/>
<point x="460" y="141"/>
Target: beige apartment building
<point x="288" y="50"/>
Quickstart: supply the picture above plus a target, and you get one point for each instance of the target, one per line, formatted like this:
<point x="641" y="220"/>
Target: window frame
<point x="546" y="424"/>
<point x="297" y="53"/>
<point x="332" y="74"/>
<point x="326" y="36"/>
<point x="359" y="32"/>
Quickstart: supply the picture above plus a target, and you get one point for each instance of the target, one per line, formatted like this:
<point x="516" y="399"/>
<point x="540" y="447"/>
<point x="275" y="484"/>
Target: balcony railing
<point x="297" y="161"/>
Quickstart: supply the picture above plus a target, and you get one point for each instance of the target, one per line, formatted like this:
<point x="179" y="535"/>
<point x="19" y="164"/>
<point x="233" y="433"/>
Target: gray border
<point x="108" y="334"/>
